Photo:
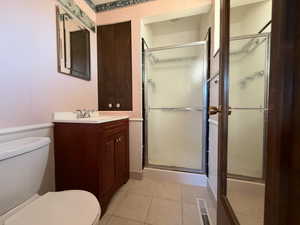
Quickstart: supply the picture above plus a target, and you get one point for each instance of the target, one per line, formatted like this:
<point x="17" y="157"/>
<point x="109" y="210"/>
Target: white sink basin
<point x="95" y="118"/>
<point x="71" y="118"/>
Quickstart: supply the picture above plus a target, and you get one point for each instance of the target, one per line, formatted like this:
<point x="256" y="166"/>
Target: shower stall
<point x="175" y="106"/>
<point x="248" y="99"/>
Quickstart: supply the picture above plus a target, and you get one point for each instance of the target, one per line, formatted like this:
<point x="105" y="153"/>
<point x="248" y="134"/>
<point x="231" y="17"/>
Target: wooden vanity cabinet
<point x="92" y="157"/>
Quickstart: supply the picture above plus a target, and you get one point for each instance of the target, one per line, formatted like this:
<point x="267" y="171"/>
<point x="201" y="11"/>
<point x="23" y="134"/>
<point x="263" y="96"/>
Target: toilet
<point x="23" y="168"/>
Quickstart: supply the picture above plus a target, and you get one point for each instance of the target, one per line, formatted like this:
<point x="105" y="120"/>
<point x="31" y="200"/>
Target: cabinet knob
<point x="118" y="105"/>
<point x="110" y="105"/>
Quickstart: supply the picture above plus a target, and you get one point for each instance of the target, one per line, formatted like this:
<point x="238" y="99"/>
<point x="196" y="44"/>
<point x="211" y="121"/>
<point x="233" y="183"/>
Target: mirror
<point x="73" y="45"/>
<point x="250" y="32"/>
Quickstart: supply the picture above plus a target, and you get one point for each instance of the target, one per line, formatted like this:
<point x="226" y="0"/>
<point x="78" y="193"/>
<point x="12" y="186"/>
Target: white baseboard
<point x="212" y="195"/>
<point x="136" y="175"/>
<point x="175" y="176"/>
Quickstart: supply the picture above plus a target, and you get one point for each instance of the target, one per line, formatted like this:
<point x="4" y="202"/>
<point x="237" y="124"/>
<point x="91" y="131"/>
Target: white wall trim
<point x="214" y="122"/>
<point x="136" y="119"/>
<point x="13" y="130"/>
<point x="136" y="175"/>
<point x="212" y="192"/>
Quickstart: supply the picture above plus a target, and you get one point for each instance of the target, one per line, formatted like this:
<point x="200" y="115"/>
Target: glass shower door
<point x="247" y="123"/>
<point x="174" y="86"/>
<point x="248" y="98"/>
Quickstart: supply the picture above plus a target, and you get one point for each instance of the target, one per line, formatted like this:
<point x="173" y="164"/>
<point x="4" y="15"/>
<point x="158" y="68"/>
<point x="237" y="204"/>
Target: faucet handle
<point x="78" y="113"/>
<point x="84" y="113"/>
<point x="93" y="111"/>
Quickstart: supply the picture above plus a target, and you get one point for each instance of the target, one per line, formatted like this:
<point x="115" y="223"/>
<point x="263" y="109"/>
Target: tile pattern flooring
<point x="153" y="202"/>
<point x="247" y="201"/>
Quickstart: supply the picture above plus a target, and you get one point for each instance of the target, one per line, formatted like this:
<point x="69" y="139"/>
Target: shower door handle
<point x="213" y="110"/>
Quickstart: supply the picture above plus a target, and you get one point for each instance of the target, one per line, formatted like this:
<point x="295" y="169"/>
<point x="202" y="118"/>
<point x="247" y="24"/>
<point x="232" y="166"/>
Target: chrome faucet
<point x="83" y="113"/>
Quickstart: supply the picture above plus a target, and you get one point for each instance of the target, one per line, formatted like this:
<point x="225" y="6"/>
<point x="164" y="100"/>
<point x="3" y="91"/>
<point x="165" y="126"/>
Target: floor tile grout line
<point x="115" y="208"/>
<point x="156" y="196"/>
<point x="148" y="210"/>
<point x="109" y="220"/>
<point x="127" y="192"/>
<point x="130" y="219"/>
<point x="181" y="198"/>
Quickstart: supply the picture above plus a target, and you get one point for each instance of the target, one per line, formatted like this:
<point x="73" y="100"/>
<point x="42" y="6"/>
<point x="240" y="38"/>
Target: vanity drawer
<point x="115" y="126"/>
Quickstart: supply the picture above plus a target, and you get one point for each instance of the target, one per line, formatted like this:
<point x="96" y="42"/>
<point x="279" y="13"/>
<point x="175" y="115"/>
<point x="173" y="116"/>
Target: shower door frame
<point x="204" y="107"/>
<point x="267" y="35"/>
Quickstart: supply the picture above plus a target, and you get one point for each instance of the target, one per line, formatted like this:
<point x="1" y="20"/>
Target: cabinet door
<point x="122" y="158"/>
<point x="115" y="67"/>
<point x="106" y="67"/>
<point x="107" y="181"/>
<point x="123" y="66"/>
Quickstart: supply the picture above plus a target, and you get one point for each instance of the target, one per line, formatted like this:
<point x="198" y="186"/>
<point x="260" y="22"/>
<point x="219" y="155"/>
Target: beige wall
<point x="30" y="87"/>
<point x="177" y="31"/>
<point x="249" y="19"/>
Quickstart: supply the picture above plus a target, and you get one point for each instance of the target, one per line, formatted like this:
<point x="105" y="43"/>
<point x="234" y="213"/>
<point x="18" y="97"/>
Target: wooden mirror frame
<point x="282" y="196"/>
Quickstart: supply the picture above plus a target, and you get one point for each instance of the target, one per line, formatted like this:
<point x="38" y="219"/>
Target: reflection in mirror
<point x="73" y="45"/>
<point x="250" y="31"/>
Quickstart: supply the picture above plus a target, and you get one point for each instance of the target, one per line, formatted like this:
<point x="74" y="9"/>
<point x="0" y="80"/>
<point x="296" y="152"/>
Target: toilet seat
<point x="59" y="208"/>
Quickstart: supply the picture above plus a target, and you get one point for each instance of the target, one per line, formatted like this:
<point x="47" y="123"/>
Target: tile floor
<point x="247" y="201"/>
<point x="154" y="202"/>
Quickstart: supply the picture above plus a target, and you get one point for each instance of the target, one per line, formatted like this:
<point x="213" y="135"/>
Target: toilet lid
<point x="59" y="208"/>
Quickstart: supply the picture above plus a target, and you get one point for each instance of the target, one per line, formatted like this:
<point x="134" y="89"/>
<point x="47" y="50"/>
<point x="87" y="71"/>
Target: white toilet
<point x="23" y="166"/>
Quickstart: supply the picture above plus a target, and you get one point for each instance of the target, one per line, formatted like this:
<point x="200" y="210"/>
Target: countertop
<point x="70" y="117"/>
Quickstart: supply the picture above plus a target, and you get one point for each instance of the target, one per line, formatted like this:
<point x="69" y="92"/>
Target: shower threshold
<point x="175" y="168"/>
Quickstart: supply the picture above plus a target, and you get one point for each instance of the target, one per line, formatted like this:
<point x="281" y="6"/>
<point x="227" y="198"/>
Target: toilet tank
<point x="23" y="165"/>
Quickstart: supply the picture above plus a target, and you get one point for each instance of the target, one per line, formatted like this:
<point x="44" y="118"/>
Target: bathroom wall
<point x="135" y="14"/>
<point x="30" y="84"/>
<point x="31" y="88"/>
<point x="176" y="31"/>
<point x="249" y="19"/>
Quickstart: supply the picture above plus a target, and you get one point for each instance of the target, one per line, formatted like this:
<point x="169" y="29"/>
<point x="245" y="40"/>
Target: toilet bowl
<point x="23" y="169"/>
